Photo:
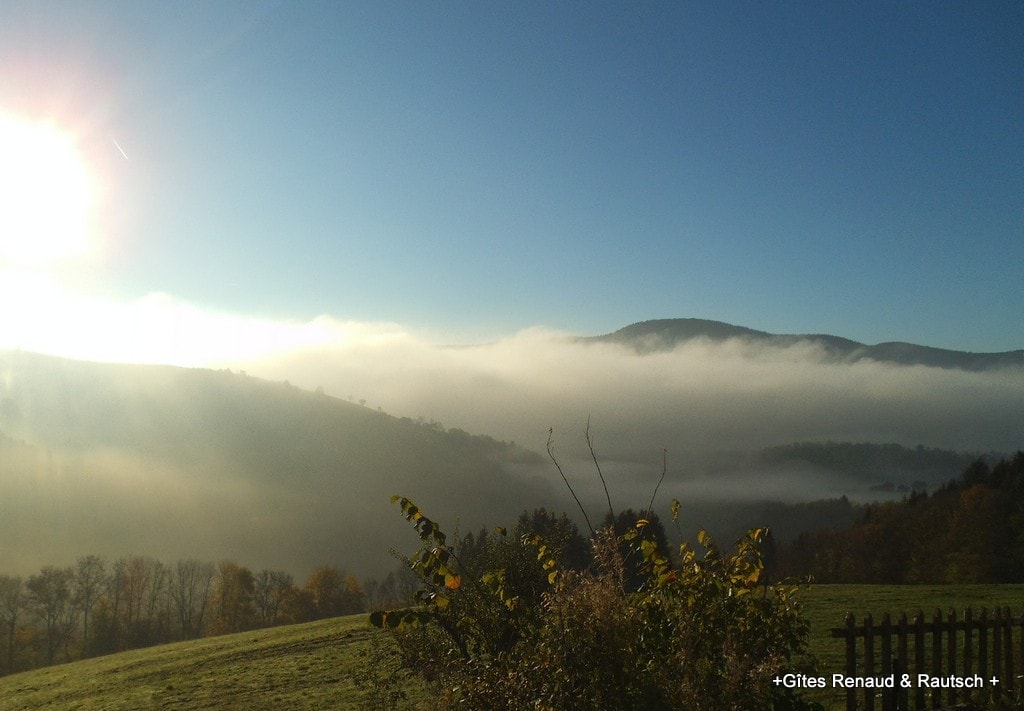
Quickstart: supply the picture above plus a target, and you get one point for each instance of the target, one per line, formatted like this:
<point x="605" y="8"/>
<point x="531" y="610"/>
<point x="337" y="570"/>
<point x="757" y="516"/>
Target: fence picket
<point x="968" y="638"/>
<point x="888" y="699"/>
<point x="851" y="658"/>
<point x="951" y="653"/>
<point x="1010" y="673"/>
<point x="983" y="643"/>
<point x="997" y="646"/>
<point x="869" y="661"/>
<point x="918" y="658"/>
<point x="937" y="655"/>
<point x="903" y="694"/>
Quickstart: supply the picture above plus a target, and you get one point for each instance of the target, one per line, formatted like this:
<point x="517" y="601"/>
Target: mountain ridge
<point x="660" y="335"/>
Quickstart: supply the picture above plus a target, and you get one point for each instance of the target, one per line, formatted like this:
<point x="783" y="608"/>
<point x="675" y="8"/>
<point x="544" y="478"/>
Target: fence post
<point x="851" y="659"/>
<point x="919" y="657"/>
<point x="869" y="661"/>
<point x="951" y="654"/>
<point x="888" y="695"/>
<point x="903" y="697"/>
<point x="1021" y="629"/>
<point x="1021" y="625"/>
<point x="983" y="643"/>
<point x="968" y="638"/>
<point x="937" y="655"/>
<point x="1008" y="640"/>
<point x="997" y="651"/>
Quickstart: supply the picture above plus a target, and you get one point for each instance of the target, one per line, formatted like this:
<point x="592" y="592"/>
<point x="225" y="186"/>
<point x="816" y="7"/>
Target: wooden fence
<point x="968" y="648"/>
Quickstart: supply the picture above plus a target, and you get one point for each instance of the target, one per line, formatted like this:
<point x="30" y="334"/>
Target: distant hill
<point x="666" y="334"/>
<point x="176" y="462"/>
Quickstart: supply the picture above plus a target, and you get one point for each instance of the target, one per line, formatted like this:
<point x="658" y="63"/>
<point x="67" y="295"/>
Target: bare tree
<point x="49" y="597"/>
<point x="90" y="574"/>
<point x="373" y="596"/>
<point x="136" y="582"/>
<point x="271" y="589"/>
<point x="157" y="626"/>
<point x="11" y="601"/>
<point x="190" y="584"/>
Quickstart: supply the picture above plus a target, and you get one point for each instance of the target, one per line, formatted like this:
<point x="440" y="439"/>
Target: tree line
<point x="971" y="530"/>
<point x="96" y="606"/>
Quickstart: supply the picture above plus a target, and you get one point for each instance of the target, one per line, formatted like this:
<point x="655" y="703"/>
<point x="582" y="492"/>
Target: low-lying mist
<point x="701" y="398"/>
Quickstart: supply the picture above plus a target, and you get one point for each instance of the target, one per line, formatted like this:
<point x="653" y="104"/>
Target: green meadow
<point x="342" y="663"/>
<point x="319" y="665"/>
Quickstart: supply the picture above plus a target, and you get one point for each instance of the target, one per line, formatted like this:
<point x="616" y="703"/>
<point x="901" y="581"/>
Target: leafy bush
<point x="702" y="632"/>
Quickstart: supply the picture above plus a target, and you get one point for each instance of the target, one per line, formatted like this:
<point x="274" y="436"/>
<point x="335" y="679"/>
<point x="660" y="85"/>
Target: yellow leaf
<point x="704" y="539"/>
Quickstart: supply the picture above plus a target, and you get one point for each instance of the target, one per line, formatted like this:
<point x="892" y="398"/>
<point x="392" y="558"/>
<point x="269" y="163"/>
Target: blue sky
<point x="468" y="170"/>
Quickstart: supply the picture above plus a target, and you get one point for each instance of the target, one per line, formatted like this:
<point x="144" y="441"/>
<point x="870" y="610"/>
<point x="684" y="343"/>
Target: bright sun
<point x="47" y="194"/>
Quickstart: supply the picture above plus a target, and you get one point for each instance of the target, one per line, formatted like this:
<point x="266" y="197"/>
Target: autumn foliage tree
<point x="233" y="606"/>
<point x="333" y="592"/>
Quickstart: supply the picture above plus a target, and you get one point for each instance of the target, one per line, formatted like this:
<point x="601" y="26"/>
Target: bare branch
<point x="664" y="468"/>
<point x="593" y="455"/>
<point x="551" y="453"/>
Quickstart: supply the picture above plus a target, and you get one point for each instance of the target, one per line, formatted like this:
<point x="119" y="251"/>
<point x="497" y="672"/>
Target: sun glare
<point x="47" y="193"/>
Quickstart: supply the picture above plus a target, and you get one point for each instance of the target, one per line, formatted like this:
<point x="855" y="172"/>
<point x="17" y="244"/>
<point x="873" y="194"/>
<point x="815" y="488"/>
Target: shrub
<point x="704" y="632"/>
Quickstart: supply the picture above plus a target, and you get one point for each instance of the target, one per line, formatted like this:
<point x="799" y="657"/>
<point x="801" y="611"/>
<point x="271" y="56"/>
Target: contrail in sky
<point x="120" y="149"/>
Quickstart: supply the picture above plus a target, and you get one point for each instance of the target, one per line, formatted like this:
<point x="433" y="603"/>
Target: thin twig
<point x="664" y="468"/>
<point x="551" y="453"/>
<point x="593" y="455"/>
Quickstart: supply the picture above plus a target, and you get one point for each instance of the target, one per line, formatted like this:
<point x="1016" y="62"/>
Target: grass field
<point x="320" y="665"/>
<point x="329" y="664"/>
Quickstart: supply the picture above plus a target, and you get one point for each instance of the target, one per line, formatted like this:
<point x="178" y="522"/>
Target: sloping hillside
<point x="321" y="665"/>
<point x="114" y="459"/>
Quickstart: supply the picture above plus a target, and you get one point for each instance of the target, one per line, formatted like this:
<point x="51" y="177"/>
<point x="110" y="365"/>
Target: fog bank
<point x="701" y="398"/>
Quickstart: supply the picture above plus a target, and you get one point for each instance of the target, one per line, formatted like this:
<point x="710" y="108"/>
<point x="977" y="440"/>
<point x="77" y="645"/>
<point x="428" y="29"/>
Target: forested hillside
<point x="969" y="531"/>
